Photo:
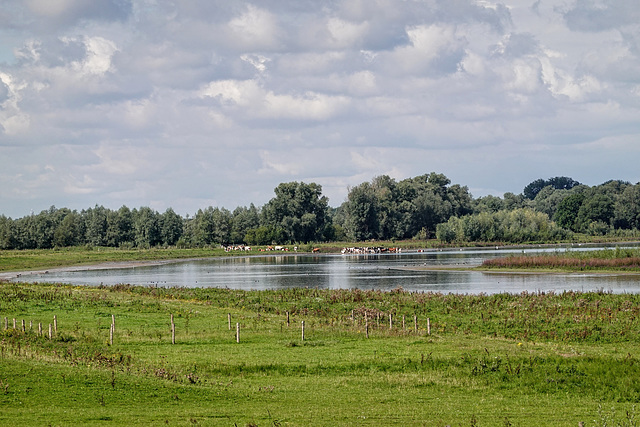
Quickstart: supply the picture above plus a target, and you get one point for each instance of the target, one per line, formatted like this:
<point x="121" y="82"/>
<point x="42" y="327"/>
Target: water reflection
<point x="384" y="272"/>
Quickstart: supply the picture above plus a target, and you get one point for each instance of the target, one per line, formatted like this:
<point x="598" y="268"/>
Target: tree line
<point x="422" y="207"/>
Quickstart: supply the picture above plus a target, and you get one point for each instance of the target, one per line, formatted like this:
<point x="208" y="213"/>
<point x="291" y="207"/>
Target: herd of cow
<point x="370" y="250"/>
<point x="365" y="250"/>
<point x="231" y="248"/>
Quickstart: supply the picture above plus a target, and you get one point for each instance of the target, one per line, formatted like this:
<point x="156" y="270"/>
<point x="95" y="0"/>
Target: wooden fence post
<point x="303" y="330"/>
<point x="50" y="332"/>
<point x="55" y="323"/>
<point x="403" y="322"/>
<point x="113" y="322"/>
<point x="111" y="334"/>
<point x="237" y="332"/>
<point x="229" y="320"/>
<point x="390" y="322"/>
<point x="428" y="326"/>
<point x="366" y="325"/>
<point x="24" y="329"/>
<point x="39" y="329"/>
<point x="173" y="333"/>
<point x="14" y="323"/>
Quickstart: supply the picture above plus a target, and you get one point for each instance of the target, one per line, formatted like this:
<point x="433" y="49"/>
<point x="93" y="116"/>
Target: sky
<point x="195" y="103"/>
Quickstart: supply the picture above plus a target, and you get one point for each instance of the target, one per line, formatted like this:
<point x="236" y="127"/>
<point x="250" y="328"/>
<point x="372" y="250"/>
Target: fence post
<point x="55" y="323"/>
<point x="366" y="325"/>
<point x="113" y="322"/>
<point x="428" y="326"/>
<point x="303" y="330"/>
<point x="6" y="323"/>
<point x="50" y="332"/>
<point x="229" y="320"/>
<point x="111" y="334"/>
<point x="23" y="326"/>
<point x="40" y="329"/>
<point x="237" y="332"/>
<point x="390" y="322"/>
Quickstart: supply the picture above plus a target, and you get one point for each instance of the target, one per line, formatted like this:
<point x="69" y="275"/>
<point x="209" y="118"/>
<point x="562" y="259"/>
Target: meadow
<point x="367" y="357"/>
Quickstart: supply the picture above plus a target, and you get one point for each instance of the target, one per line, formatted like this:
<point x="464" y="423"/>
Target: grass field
<point x="506" y="360"/>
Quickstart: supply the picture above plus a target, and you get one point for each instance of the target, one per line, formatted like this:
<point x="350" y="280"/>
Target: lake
<point x="383" y="271"/>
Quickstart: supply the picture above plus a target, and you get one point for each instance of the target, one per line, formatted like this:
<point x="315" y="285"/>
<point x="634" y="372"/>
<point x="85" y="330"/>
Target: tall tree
<point x="147" y="227"/>
<point x="171" y="228"/>
<point x="627" y="208"/>
<point x="244" y="219"/>
<point x="558" y="183"/>
<point x="299" y="210"/>
<point x="361" y="213"/>
<point x="567" y="212"/>
<point x="96" y="225"/>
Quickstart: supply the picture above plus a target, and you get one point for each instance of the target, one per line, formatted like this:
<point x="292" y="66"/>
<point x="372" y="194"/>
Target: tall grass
<point x="618" y="259"/>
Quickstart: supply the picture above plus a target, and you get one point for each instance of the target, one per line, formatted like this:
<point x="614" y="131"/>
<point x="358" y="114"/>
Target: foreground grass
<point x="520" y="360"/>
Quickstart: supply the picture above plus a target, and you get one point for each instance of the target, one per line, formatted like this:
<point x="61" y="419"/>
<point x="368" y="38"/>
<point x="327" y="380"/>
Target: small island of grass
<point x="608" y="260"/>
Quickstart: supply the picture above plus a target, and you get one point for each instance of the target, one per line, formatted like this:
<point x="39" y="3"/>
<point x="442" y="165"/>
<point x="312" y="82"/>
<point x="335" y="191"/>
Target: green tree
<point x="567" y="212"/>
<point x="627" y="208"/>
<point x="558" y="183"/>
<point x="299" y="210"/>
<point x="597" y="208"/>
<point x="171" y="227"/>
<point x="489" y="204"/>
<point x="120" y="227"/>
<point x="146" y="227"/>
<point x="7" y="233"/>
<point x="244" y="219"/>
<point x="66" y="232"/>
<point x="95" y="225"/>
<point x="361" y="213"/>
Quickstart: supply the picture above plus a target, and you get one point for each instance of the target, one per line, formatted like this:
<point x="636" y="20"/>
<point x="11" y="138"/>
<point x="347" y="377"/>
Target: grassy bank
<point x="618" y="260"/>
<point x="519" y="360"/>
<point x="15" y="260"/>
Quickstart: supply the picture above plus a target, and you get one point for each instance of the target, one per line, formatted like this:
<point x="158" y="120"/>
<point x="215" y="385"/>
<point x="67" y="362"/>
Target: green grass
<point x="521" y="360"/>
<point x="615" y="260"/>
<point x="15" y="260"/>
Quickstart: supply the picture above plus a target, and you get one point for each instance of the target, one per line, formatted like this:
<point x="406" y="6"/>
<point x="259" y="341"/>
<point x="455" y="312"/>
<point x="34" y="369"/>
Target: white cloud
<point x="99" y="54"/>
<point x="132" y="102"/>
<point x="347" y="34"/>
<point x="256" y="102"/>
<point x="256" y="28"/>
<point x="426" y="45"/>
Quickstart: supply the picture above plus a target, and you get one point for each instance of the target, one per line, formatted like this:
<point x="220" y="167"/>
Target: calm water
<point x="384" y="272"/>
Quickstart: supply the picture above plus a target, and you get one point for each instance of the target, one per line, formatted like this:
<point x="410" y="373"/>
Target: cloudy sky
<point x="195" y="103"/>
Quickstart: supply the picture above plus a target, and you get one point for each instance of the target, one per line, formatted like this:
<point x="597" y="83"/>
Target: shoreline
<point x="8" y="276"/>
<point x="108" y="265"/>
